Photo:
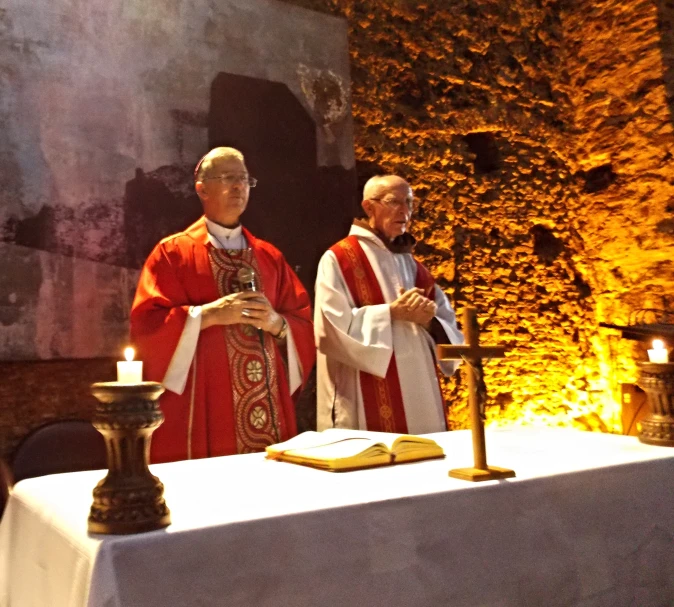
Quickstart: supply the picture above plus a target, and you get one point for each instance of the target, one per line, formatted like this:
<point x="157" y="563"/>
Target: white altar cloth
<point x="588" y="521"/>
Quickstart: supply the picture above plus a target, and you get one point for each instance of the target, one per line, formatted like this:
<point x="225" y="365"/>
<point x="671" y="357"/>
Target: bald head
<point x="388" y="204"/>
<point x="215" y="157"/>
<point x="380" y="185"/>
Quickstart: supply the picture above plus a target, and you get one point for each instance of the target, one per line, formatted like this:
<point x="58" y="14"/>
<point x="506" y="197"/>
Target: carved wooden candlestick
<point x="657" y="380"/>
<point x="129" y="499"/>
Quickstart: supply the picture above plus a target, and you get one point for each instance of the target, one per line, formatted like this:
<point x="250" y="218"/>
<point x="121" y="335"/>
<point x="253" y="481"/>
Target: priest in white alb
<point x="377" y="317"/>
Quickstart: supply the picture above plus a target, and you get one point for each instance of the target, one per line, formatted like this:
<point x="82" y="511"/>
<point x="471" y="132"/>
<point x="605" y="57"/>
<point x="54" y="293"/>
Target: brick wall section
<point x="36" y="393"/>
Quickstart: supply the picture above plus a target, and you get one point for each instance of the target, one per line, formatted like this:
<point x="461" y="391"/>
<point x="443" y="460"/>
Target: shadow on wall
<point x="298" y="206"/>
<point x="666" y="28"/>
<point x="156" y="204"/>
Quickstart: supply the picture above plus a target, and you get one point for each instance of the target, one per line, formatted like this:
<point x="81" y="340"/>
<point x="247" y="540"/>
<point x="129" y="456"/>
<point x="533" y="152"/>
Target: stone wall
<point x="620" y="83"/>
<point x="38" y="392"/>
<point x="539" y="138"/>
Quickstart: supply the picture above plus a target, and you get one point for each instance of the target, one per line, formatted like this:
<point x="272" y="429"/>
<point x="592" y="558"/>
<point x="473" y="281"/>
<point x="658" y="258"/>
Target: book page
<point x="391" y="440"/>
<point x="342" y="444"/>
<point x="386" y="438"/>
<point x="363" y="449"/>
<point x="311" y="440"/>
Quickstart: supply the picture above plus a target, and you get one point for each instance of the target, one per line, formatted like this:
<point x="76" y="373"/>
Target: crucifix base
<point x="492" y="473"/>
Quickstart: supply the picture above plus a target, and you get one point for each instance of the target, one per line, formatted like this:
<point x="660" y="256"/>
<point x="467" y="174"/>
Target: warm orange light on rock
<point x="539" y="141"/>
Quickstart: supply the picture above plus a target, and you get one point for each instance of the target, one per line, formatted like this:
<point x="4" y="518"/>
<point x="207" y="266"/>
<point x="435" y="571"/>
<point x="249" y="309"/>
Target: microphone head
<point x="246" y="277"/>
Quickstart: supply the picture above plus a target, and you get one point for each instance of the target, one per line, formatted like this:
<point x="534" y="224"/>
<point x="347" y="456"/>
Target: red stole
<point x="252" y="361"/>
<point x="382" y="397"/>
<point x="231" y="413"/>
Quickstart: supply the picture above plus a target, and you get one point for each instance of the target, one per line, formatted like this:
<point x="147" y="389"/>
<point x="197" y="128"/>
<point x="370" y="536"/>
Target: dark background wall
<point x="100" y="130"/>
<point x="538" y="136"/>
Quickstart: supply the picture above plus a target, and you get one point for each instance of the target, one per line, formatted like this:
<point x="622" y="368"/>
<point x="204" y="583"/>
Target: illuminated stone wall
<point x="620" y="63"/>
<point x="538" y="137"/>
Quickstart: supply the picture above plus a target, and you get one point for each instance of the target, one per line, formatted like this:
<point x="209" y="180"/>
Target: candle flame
<point x="129" y="353"/>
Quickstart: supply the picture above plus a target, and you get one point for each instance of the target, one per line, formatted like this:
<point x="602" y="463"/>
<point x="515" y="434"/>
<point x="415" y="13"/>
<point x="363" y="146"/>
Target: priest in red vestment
<point x="221" y="320"/>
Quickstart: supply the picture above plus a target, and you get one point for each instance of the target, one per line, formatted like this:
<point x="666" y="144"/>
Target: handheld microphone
<point x="246" y="278"/>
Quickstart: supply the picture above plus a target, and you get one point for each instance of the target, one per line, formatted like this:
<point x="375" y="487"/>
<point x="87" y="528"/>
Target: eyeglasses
<point x="232" y="178"/>
<point x="394" y="203"/>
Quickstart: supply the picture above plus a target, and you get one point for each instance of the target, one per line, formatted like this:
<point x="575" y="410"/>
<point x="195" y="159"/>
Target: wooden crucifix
<point x="473" y="354"/>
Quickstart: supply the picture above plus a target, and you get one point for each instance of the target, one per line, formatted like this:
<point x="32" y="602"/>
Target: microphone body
<point x="246" y="278"/>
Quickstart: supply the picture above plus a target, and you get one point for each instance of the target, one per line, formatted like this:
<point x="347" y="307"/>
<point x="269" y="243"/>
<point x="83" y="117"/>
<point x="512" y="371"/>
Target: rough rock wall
<point x="538" y="136"/>
<point x="620" y="63"/>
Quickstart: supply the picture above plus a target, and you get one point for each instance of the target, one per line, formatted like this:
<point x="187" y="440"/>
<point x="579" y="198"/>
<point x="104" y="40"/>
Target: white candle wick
<point x="129" y="371"/>
<point x="658" y="353"/>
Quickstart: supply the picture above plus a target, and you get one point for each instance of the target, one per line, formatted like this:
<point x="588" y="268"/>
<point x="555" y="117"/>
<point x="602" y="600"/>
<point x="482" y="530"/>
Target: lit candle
<point x="129" y="371"/>
<point x="659" y="353"/>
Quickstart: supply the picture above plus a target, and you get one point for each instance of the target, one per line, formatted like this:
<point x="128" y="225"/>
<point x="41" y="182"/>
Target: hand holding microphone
<point x="262" y="316"/>
<point x="248" y="307"/>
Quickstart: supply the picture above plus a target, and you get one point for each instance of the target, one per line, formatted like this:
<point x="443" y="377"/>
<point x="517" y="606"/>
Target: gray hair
<point x="204" y="165"/>
<point x="380" y="183"/>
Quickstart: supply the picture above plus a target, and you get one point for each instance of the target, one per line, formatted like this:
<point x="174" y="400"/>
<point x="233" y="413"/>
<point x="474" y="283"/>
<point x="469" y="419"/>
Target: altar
<point x="589" y="520"/>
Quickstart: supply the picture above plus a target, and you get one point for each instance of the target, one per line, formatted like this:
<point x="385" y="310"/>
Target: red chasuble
<point x="382" y="396"/>
<point x="237" y="398"/>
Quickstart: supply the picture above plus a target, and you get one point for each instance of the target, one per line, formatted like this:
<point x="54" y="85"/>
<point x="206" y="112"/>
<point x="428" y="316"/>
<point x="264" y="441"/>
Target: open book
<point x="337" y="449"/>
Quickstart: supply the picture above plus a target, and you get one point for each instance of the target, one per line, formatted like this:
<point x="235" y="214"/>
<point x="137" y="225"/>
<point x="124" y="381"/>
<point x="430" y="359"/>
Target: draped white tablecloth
<point x="588" y="521"/>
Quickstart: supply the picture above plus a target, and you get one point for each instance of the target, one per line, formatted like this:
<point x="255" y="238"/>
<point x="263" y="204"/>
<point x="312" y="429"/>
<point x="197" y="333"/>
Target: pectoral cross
<point x="473" y="353"/>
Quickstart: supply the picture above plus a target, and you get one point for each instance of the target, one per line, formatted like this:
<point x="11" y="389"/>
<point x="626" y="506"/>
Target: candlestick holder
<point x="657" y="380"/>
<point x="129" y="499"/>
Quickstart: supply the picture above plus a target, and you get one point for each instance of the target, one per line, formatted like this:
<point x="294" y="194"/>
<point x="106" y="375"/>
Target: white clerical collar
<point x="225" y="238"/>
<point x="368" y="234"/>
<point x="222" y="232"/>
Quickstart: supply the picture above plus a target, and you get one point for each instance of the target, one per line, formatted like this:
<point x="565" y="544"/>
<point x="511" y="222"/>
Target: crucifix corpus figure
<point x="473" y="354"/>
